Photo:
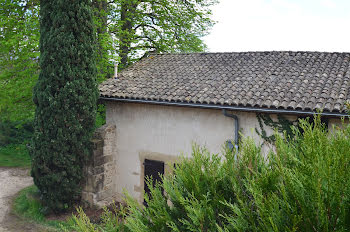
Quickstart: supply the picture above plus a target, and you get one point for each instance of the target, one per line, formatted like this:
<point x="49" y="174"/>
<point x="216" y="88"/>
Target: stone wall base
<point x="100" y="170"/>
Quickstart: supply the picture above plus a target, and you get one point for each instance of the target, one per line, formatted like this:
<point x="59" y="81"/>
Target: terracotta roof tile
<point x="281" y="80"/>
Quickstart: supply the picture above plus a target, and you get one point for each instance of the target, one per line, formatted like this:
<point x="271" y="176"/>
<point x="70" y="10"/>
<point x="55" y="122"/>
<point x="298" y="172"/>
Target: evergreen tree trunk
<point x="65" y="96"/>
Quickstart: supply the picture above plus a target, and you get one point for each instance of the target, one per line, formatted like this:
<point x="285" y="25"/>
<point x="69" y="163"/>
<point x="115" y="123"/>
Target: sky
<point x="275" y="25"/>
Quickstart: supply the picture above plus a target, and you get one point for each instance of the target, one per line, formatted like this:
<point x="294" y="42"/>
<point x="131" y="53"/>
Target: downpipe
<point x="236" y="124"/>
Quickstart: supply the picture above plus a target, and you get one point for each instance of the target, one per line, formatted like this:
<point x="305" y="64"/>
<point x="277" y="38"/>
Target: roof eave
<point x="227" y="107"/>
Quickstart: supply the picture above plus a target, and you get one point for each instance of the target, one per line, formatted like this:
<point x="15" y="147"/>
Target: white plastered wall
<point x="337" y="122"/>
<point x="166" y="132"/>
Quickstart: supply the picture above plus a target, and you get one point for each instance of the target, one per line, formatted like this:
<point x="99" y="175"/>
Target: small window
<point x="153" y="169"/>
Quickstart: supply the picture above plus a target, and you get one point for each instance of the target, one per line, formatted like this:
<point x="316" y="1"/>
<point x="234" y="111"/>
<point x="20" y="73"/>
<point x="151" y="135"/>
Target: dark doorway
<point x="153" y="169"/>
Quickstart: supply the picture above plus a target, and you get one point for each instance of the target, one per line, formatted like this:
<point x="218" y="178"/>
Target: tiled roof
<point x="281" y="80"/>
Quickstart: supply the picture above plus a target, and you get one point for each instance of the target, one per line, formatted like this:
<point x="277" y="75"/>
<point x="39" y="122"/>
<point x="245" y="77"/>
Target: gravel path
<point x="12" y="180"/>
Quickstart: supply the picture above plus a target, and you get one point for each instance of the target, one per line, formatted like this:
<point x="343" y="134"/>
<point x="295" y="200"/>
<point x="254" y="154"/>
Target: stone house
<point x="159" y="106"/>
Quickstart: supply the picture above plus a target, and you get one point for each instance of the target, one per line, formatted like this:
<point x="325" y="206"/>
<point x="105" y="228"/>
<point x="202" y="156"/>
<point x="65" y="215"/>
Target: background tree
<point x="126" y="31"/>
<point x="19" y="55"/>
<point x="19" y="70"/>
<point x="129" y="29"/>
<point x="106" y="50"/>
<point x="160" y="26"/>
<point x="65" y="96"/>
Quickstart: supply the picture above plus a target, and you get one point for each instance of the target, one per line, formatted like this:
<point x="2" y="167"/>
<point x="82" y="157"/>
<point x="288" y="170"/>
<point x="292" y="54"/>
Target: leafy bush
<point x="111" y="220"/>
<point x="100" y="116"/>
<point x="17" y="132"/>
<point x="303" y="185"/>
<point x="14" y="137"/>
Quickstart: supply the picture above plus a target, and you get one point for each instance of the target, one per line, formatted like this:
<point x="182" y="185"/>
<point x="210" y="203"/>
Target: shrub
<point x="17" y="132"/>
<point x="303" y="185"/>
<point x="111" y="221"/>
<point x="14" y="138"/>
<point x="65" y="97"/>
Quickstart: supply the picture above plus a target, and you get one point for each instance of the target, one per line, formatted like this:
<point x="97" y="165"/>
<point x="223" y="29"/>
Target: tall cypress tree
<point x="65" y="97"/>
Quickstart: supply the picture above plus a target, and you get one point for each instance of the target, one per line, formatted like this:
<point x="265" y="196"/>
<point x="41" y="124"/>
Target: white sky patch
<point x="289" y="25"/>
<point x="329" y="3"/>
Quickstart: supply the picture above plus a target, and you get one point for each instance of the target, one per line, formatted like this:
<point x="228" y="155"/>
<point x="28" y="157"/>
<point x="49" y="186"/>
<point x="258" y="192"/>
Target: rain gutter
<point x="226" y="107"/>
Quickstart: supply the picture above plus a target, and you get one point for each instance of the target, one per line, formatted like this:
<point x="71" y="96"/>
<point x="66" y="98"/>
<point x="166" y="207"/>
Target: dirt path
<point x="13" y="180"/>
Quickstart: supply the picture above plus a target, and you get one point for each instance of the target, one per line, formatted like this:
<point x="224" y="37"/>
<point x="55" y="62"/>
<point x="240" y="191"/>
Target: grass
<point x="14" y="155"/>
<point x="27" y="205"/>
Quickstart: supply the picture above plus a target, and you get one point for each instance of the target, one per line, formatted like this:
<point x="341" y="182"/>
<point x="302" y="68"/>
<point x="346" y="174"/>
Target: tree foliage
<point x="129" y="29"/>
<point x="160" y="26"/>
<point x="65" y="97"/>
<point x="19" y="54"/>
<point x="106" y="43"/>
<point x="126" y="31"/>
